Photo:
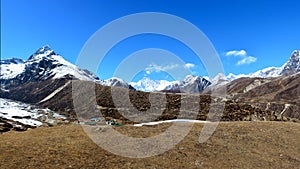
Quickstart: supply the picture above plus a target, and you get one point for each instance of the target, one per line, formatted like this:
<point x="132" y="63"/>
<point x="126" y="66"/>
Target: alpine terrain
<point x="37" y="93"/>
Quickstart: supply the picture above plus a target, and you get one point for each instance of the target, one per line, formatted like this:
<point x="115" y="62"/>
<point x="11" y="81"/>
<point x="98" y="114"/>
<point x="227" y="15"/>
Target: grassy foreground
<point x="233" y="145"/>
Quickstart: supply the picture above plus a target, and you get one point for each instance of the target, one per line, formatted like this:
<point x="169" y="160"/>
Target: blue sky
<point x="248" y="34"/>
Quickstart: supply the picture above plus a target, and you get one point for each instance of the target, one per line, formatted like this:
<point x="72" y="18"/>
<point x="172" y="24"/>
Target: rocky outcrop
<point x="7" y="125"/>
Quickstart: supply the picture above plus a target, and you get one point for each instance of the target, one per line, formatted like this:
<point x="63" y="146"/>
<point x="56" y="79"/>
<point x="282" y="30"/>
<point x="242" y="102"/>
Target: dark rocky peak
<point x="293" y="65"/>
<point x="192" y="78"/>
<point x="191" y="84"/>
<point x="296" y="54"/>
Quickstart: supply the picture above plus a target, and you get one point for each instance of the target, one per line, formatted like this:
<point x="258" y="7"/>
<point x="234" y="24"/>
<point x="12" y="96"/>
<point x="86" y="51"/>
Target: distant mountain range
<point x="191" y="84"/>
<point x="44" y="80"/>
<point x="46" y="64"/>
<point x="290" y="67"/>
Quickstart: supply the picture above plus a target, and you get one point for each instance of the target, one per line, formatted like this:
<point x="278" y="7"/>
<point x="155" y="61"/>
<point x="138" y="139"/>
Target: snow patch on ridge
<point x="55" y="92"/>
<point x="170" y="121"/>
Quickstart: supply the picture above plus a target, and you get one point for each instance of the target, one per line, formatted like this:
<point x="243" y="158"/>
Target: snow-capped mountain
<point x="222" y="79"/>
<point x="45" y="64"/>
<point x="149" y="85"/>
<point x="268" y="72"/>
<point x="49" y="64"/>
<point x="114" y="81"/>
<point x="191" y="84"/>
<point x="42" y="65"/>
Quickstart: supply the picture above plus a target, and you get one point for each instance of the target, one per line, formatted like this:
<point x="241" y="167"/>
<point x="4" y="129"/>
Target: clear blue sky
<point x="267" y="30"/>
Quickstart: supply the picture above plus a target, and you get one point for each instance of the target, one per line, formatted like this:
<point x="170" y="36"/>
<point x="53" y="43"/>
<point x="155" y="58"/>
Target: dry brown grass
<point x="233" y="145"/>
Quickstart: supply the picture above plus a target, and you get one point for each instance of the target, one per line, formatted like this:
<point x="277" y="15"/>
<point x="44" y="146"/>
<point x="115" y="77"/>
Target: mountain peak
<point x="115" y="81"/>
<point x="220" y="77"/>
<point x="42" y="52"/>
<point x="148" y="85"/>
<point x="189" y="78"/>
<point x="295" y="54"/>
<point x="293" y="65"/>
<point x="191" y="84"/>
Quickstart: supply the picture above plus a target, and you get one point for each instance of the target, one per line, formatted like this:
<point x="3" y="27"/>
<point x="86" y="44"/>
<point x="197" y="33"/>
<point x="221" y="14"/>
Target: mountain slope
<point x="280" y="94"/>
<point x="10" y="68"/>
<point x="274" y="89"/>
